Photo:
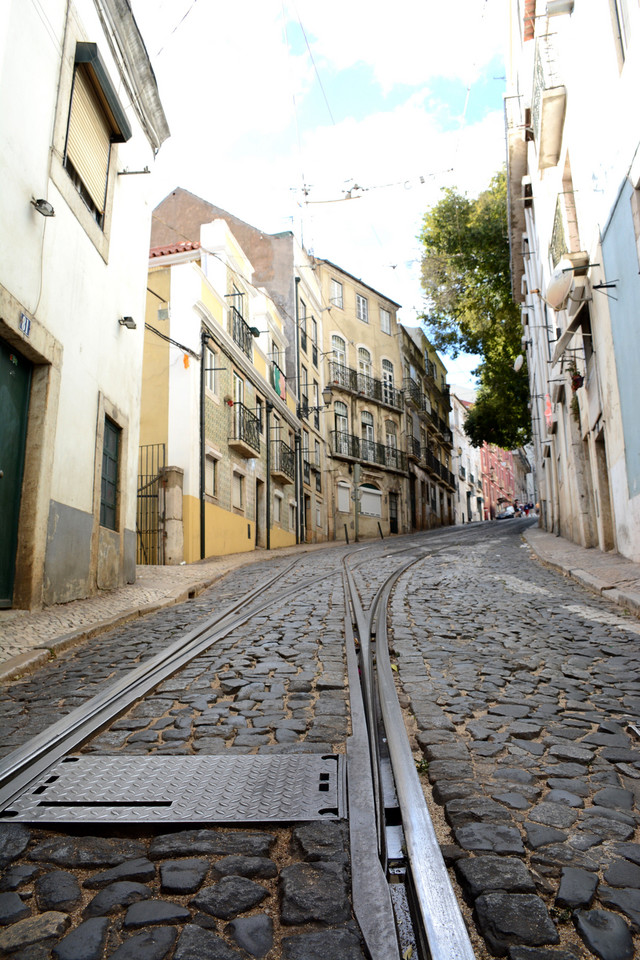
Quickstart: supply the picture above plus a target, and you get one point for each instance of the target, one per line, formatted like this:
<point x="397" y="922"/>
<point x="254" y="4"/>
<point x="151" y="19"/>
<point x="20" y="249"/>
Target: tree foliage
<point x="467" y="283"/>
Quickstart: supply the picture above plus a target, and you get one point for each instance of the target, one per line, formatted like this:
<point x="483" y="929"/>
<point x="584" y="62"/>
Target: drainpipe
<point x="204" y="337"/>
<point x="299" y="480"/>
<point x="268" y="519"/>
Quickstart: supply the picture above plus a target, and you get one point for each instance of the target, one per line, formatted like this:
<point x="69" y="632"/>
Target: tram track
<point x="438" y="929"/>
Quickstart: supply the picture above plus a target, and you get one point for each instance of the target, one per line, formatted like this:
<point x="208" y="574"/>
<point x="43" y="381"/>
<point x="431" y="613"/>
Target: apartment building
<point x="469" y="501"/>
<point x="282" y="268"/>
<point x="218" y="426"/>
<point x="573" y="163"/>
<point x="81" y="115"/>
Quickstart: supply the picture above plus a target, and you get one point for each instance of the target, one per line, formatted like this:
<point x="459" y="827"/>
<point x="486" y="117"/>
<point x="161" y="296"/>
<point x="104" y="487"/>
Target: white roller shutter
<point x="370" y="502"/>
<point x="89" y="138"/>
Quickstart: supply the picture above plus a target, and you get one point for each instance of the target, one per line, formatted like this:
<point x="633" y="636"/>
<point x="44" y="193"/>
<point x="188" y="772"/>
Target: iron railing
<point x="414" y="448"/>
<point x="241" y="332"/>
<point x="278" y="380"/>
<point x="283" y="459"/>
<point x="150" y="505"/>
<point x="370" y="451"/>
<point x="381" y="390"/>
<point x="246" y="426"/>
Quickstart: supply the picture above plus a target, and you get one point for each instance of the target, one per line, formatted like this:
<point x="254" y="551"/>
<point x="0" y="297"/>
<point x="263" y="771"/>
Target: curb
<point x="627" y="599"/>
<point x="23" y="663"/>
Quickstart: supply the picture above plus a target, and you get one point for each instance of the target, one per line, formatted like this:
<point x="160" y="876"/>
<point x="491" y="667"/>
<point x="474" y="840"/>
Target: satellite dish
<point x="559" y="285"/>
<point x="517" y="364"/>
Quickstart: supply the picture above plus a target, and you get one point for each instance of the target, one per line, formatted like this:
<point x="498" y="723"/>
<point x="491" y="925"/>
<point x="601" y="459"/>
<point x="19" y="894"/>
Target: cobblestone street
<point x="521" y="692"/>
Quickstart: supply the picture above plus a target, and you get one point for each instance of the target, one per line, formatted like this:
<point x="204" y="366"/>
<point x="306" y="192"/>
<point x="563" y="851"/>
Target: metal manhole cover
<point x="185" y="790"/>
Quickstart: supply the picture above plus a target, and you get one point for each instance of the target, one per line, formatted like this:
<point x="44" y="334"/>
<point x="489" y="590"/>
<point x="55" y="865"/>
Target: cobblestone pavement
<point x="276" y="685"/>
<point x="518" y="686"/>
<point x="525" y="692"/>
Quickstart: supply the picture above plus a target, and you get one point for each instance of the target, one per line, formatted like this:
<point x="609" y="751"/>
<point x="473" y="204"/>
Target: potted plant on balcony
<point x="576" y="377"/>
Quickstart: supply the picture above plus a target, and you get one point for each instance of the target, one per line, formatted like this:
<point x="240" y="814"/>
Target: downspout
<point x="299" y="487"/>
<point x="268" y="517"/>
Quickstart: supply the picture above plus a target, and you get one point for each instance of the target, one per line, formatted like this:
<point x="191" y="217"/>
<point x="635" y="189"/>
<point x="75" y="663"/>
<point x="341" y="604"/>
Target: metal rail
<point x="439" y="927"/>
<point x="21" y="767"/>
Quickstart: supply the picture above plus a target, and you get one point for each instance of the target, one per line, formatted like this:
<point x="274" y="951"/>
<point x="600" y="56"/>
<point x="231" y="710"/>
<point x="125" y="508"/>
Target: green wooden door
<point x="15" y="382"/>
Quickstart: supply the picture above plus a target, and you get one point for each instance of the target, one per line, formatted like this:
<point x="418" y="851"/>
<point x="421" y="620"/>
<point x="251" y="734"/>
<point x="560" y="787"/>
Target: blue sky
<point x="247" y="105"/>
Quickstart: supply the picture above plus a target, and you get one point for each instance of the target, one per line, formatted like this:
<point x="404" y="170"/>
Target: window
<point x="96" y="120"/>
<point x="339" y="349"/>
<point x="277" y="508"/>
<point x="304" y="387"/>
<point x="344" y="504"/>
<point x="370" y="501"/>
<point x="341" y="418"/>
<point x="109" y="484"/>
<point x="362" y="308"/>
<point x="292" y="516"/>
<point x="366" y="423"/>
<point x="364" y="368"/>
<point x="302" y="311"/>
<point x="385" y="321"/>
<point x="314" y="341"/>
<point x="336" y="294"/>
<point x="318" y="515"/>
<point x="210" y="363"/>
<point x="387" y="381"/>
<point x="238" y="490"/>
<point x="317" y="454"/>
<point x="210" y="475"/>
<point x="260" y="413"/>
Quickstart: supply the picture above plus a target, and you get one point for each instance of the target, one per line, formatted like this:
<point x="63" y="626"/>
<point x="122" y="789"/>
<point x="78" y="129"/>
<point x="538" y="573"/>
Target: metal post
<point x="356" y="500"/>
<point x="268" y="430"/>
<point x="204" y="336"/>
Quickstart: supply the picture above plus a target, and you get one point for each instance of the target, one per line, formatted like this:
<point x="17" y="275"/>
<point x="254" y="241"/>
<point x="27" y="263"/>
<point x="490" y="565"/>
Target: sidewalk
<point x="609" y="574"/>
<point x="28" y="640"/>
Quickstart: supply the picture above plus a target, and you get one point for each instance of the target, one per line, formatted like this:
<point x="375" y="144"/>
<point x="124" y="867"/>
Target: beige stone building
<point x="367" y="480"/>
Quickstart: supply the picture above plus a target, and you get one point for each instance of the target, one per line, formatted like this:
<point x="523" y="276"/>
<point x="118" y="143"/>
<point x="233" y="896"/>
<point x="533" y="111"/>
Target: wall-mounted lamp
<point x="127" y="322"/>
<point x="43" y="207"/>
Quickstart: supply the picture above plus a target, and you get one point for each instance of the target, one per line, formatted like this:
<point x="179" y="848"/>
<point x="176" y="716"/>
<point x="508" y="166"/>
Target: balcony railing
<point x="380" y="390"/>
<point x="283" y="460"/>
<point x="246" y="431"/>
<point x="413" y="392"/>
<point x="548" y="102"/>
<point x="348" y="445"/>
<point x="241" y="332"/>
<point x="414" y="448"/>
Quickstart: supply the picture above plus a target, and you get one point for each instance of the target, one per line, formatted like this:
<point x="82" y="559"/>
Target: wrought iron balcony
<point x="246" y="431"/>
<point x="369" y="451"/>
<point x="283" y="465"/>
<point x="380" y="390"/>
<point x="241" y="332"/>
<point x="413" y="445"/>
<point x="413" y="392"/>
<point x="548" y="103"/>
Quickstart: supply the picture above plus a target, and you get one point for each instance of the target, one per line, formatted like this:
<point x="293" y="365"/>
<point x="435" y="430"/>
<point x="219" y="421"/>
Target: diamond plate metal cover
<point x="236" y="789"/>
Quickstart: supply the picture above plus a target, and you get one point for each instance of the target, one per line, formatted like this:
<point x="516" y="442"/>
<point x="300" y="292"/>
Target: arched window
<point x="364" y="370"/>
<point x="341" y="442"/>
<point x="368" y="437"/>
<point x="339" y="349"/>
<point x="387" y="381"/>
<point x="391" y="443"/>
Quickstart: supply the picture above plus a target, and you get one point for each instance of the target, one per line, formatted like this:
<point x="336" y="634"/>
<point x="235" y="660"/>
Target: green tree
<point x="467" y="283"/>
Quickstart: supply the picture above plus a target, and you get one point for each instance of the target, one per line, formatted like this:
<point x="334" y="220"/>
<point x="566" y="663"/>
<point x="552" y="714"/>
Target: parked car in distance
<point x="507" y="514"/>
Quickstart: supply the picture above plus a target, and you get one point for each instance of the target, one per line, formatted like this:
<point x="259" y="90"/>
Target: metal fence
<point x="150" y="504"/>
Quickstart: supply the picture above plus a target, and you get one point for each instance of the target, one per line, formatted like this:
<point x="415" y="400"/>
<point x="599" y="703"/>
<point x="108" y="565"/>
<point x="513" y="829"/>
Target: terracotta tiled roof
<point x="529" y="19"/>
<point x="181" y="247"/>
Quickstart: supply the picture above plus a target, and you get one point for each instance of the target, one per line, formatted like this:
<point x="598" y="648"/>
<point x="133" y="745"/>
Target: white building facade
<point x="573" y="137"/>
<point x="467" y="466"/>
<point x="74" y="231"/>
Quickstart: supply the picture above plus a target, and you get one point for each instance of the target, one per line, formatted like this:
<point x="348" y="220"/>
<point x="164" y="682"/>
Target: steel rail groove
<point x="36" y="756"/>
<point x="440" y="913"/>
